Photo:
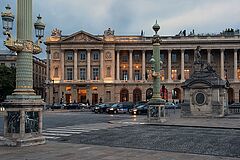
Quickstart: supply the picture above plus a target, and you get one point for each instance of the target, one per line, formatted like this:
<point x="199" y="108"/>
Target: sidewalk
<point x="67" y="151"/>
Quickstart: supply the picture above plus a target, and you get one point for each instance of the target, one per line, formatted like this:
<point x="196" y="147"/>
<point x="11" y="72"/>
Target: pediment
<point x="81" y="37"/>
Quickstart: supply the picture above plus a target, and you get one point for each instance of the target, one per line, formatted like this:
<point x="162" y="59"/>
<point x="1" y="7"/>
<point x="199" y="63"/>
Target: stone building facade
<point x="116" y="68"/>
<point x="8" y="59"/>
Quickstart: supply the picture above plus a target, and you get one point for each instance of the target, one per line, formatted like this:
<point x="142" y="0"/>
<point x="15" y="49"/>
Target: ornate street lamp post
<point x="156" y="103"/>
<point x="23" y="114"/>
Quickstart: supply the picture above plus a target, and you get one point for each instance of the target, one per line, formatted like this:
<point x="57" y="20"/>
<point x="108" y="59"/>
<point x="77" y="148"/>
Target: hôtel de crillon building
<point x="114" y="68"/>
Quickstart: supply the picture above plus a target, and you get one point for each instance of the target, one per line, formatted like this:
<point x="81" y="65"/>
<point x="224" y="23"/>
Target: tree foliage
<point x="7" y="81"/>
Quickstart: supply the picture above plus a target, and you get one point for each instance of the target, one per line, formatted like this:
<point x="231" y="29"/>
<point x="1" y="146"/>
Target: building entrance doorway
<point x="94" y="98"/>
<point x="68" y="98"/>
<point x="82" y="95"/>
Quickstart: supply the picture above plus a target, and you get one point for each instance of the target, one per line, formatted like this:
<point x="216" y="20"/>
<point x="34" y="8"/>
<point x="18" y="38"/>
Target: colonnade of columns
<point x="143" y="64"/>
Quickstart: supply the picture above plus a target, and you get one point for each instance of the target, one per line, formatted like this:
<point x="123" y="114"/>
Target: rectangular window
<point x="174" y="57"/>
<point x="82" y="55"/>
<point x="95" y="74"/>
<point x="186" y="74"/>
<point x="108" y="96"/>
<point x="162" y="56"/>
<point x="174" y="74"/>
<point x="125" y="75"/>
<point x="69" y="73"/>
<point x="137" y="75"/>
<point x="82" y="74"/>
<point x="69" y="55"/>
<point x="136" y="57"/>
<point x="148" y="58"/>
<point x="186" y="57"/>
<point x="124" y="58"/>
<point x="95" y="55"/>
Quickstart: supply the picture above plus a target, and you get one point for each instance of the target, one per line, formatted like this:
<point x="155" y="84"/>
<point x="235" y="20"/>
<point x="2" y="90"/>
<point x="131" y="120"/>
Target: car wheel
<point x="115" y="112"/>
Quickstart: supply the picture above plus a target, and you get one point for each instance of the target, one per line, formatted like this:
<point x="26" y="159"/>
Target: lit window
<point x="186" y="74"/>
<point x="174" y="74"/>
<point x="69" y="73"/>
<point x="238" y="74"/>
<point x="162" y="75"/>
<point x="68" y="88"/>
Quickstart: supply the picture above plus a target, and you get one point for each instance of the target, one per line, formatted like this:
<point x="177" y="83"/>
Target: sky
<point x="129" y="17"/>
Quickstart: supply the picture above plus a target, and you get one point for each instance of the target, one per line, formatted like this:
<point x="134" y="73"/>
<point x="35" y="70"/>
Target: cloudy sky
<point x="129" y="17"/>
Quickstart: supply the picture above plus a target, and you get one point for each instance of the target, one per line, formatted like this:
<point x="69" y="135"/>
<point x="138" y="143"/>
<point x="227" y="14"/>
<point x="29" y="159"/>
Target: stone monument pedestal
<point x="23" y="120"/>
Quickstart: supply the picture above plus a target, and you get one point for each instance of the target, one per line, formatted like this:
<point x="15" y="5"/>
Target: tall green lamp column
<point x="23" y="114"/>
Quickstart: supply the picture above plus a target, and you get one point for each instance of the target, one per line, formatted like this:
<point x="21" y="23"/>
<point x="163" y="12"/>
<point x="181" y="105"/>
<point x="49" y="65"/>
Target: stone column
<point x="101" y="65"/>
<point x="118" y="65"/>
<point x="130" y="65"/>
<point x="182" y="65"/>
<point x="88" y="64"/>
<point x="143" y="65"/>
<point x="75" y="68"/>
<point x="24" y="68"/>
<point x="62" y="65"/>
<point x="22" y="123"/>
<point x="209" y="56"/>
<point x="235" y="65"/>
<point x="222" y="64"/>
<point x="40" y="122"/>
<point x="169" y="65"/>
<point x="48" y="65"/>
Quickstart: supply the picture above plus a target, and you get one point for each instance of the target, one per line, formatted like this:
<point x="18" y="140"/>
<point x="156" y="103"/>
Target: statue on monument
<point x="198" y="54"/>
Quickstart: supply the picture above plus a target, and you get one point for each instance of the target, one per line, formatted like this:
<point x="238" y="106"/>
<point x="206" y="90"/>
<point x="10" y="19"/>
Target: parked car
<point x="170" y="105"/>
<point x="101" y="108"/>
<point x="57" y="106"/>
<point x="72" y="106"/>
<point x="142" y="109"/>
<point x="113" y="109"/>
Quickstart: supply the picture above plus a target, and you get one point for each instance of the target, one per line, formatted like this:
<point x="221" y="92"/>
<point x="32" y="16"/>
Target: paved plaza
<point x="133" y="137"/>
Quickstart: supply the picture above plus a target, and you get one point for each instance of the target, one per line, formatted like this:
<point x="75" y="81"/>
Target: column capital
<point x="169" y="50"/>
<point x="118" y="50"/>
<point x="222" y="49"/>
<point x="130" y="51"/>
<point x="182" y="50"/>
<point x="75" y="50"/>
<point x="88" y="50"/>
<point x="235" y="50"/>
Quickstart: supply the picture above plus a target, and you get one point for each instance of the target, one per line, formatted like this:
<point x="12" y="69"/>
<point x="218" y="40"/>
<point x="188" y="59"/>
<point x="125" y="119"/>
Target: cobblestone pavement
<point x="207" y="141"/>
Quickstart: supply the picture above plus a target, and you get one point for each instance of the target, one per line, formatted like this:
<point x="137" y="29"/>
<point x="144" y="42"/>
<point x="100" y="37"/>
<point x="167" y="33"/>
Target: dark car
<point x="113" y="109"/>
<point x="170" y="105"/>
<point x="101" y="108"/>
<point x="57" y="106"/>
<point x="72" y="106"/>
<point x="142" y="109"/>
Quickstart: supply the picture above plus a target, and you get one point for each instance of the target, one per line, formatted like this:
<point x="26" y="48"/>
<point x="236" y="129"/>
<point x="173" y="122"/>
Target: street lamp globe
<point x="39" y="27"/>
<point x="7" y="19"/>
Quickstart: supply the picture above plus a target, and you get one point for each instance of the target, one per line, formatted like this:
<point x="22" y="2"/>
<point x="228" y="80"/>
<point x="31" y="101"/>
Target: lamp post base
<point x="23" y="121"/>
